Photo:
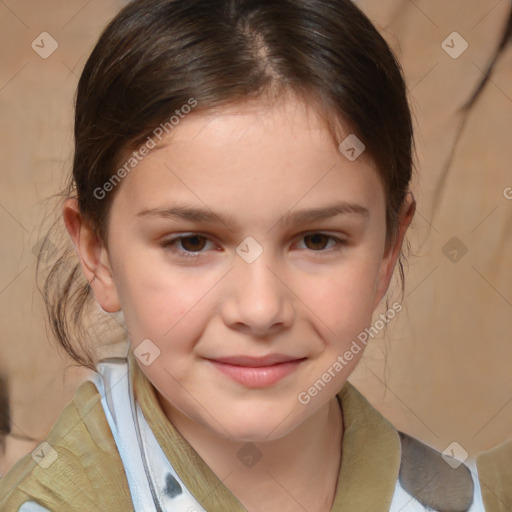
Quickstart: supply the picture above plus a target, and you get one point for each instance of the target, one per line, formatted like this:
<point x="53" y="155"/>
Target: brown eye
<point x="193" y="243"/>
<point x="318" y="241"/>
<point x="186" y="246"/>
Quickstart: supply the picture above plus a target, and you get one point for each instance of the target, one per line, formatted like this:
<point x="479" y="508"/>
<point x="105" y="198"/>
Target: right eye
<point x="191" y="243"/>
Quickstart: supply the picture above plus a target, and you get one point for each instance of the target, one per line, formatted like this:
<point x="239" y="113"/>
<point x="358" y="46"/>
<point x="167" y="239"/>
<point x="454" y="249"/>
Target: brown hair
<point x="156" y="55"/>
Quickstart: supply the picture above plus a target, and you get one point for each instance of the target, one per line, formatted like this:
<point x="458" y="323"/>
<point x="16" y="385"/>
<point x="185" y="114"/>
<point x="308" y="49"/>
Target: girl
<point x="240" y="196"/>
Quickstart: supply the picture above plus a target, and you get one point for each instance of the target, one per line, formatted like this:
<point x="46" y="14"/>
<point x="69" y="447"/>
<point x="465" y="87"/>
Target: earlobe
<point x="93" y="257"/>
<point x="391" y="257"/>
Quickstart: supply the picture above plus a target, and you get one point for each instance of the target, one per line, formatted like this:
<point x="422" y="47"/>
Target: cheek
<point x="342" y="299"/>
<point x="165" y="303"/>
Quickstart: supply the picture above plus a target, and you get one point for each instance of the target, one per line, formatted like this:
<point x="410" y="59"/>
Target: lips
<point x="257" y="372"/>
<point x="255" y="362"/>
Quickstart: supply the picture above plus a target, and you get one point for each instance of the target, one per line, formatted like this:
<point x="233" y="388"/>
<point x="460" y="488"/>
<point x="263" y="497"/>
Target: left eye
<point x="194" y="244"/>
<point x="320" y="239"/>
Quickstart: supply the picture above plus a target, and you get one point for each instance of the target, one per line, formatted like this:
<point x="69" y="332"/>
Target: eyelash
<point x="170" y="242"/>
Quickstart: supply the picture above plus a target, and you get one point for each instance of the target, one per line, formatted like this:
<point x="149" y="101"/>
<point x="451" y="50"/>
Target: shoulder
<point x="67" y="470"/>
<point x="422" y="478"/>
<point x="495" y="475"/>
<point x="436" y="481"/>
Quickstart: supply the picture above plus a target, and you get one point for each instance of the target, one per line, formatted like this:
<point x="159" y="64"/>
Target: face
<point x="247" y="253"/>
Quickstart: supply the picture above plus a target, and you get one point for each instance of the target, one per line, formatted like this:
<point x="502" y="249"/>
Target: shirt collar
<point x="370" y="461"/>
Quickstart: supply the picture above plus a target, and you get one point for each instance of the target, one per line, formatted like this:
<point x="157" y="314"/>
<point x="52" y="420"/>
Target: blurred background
<point x="442" y="371"/>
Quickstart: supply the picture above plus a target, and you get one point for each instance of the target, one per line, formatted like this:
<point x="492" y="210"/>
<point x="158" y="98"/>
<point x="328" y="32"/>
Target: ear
<point x="93" y="257"/>
<point x="390" y="257"/>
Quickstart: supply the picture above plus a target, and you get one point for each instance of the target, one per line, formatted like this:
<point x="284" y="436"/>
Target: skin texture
<point x="305" y="297"/>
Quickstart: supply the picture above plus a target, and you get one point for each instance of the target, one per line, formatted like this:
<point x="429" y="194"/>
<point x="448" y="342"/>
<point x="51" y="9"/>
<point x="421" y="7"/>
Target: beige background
<point x="443" y="370"/>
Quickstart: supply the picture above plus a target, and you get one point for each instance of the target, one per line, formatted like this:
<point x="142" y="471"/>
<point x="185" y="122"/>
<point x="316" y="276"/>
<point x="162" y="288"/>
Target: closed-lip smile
<point x="257" y="372"/>
<point x="255" y="362"/>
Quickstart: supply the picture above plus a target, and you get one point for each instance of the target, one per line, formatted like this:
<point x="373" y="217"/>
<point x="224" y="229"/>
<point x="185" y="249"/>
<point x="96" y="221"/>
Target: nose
<point x="257" y="298"/>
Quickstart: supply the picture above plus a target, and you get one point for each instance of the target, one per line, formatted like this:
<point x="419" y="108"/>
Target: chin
<point x="255" y="429"/>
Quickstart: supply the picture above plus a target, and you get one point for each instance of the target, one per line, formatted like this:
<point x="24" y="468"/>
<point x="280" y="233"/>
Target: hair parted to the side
<point x="156" y="55"/>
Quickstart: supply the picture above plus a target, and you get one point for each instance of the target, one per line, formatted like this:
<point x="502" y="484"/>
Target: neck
<point x="299" y="469"/>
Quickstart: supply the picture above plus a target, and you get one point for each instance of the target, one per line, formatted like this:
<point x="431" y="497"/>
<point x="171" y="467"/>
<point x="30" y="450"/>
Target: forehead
<point x="251" y="159"/>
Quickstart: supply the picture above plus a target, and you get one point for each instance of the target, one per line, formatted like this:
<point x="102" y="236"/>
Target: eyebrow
<point x="194" y="214"/>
